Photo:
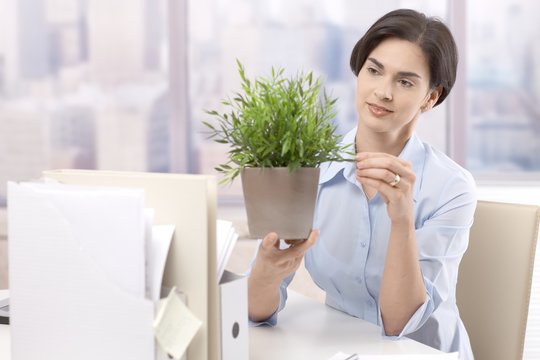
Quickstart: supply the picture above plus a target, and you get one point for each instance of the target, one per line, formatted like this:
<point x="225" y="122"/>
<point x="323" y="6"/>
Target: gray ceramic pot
<point x="279" y="201"/>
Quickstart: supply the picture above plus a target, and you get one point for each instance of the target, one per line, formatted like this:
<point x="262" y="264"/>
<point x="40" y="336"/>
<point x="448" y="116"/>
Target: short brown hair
<point x="430" y="34"/>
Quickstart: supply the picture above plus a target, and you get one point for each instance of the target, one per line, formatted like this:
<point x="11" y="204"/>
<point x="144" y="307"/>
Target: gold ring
<point x="395" y="181"/>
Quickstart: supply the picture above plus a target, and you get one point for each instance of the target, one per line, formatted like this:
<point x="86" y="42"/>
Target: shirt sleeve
<point x="442" y="240"/>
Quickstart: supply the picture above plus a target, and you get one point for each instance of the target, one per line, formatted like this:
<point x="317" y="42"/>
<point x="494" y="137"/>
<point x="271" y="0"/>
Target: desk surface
<point x="308" y="329"/>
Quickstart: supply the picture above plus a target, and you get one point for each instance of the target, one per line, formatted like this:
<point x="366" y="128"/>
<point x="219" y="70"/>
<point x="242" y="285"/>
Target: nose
<point x="384" y="91"/>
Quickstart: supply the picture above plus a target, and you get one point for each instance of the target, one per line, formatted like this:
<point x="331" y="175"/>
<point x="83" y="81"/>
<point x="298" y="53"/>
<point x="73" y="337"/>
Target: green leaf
<point x="276" y="121"/>
<point x="209" y="125"/>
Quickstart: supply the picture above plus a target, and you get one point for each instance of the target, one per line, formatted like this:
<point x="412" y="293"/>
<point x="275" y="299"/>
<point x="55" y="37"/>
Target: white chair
<point x="495" y="277"/>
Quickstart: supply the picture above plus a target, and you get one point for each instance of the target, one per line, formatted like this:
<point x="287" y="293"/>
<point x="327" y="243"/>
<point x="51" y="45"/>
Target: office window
<point x="83" y="84"/>
<point x="503" y="91"/>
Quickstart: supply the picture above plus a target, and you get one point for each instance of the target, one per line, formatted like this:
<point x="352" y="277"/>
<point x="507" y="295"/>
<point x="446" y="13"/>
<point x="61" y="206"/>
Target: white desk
<point x="308" y="329"/>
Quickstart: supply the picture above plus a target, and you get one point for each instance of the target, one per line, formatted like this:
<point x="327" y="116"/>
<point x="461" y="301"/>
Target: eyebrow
<point x="400" y="73"/>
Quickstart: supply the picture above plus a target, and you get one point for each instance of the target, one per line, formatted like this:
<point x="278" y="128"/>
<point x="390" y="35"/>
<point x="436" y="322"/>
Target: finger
<point x="375" y="156"/>
<point x="271" y="240"/>
<point x="377" y="174"/>
<point x="393" y="164"/>
<point x="374" y="183"/>
<point x="406" y="174"/>
<point x="384" y="187"/>
<point x="370" y="158"/>
<point x="362" y="156"/>
<point x="367" y="154"/>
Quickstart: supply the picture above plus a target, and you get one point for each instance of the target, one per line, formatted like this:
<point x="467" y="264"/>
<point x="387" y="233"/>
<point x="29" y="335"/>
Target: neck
<point x="390" y="143"/>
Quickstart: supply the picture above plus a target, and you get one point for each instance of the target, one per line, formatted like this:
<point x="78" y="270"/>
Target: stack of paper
<point x="101" y="262"/>
<point x="157" y="250"/>
<point x="88" y="247"/>
<point x="226" y="237"/>
<point x="189" y="202"/>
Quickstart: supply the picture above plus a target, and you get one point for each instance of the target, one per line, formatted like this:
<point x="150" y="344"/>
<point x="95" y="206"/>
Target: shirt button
<point x="363" y="244"/>
<point x="358" y="279"/>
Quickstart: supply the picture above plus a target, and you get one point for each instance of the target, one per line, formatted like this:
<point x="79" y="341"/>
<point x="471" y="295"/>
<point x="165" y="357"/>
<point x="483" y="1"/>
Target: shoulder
<point x="441" y="170"/>
<point x="446" y="183"/>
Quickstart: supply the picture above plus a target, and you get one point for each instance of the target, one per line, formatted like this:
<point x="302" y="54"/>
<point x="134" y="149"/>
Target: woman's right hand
<point x="274" y="264"/>
<point x="271" y="266"/>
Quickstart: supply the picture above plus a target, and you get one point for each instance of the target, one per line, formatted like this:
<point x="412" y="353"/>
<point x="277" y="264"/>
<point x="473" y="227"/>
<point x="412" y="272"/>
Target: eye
<point x="372" y="70"/>
<point x="406" y="83"/>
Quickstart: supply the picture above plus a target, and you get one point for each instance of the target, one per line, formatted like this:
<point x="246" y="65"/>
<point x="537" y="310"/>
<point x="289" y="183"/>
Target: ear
<point x="432" y="99"/>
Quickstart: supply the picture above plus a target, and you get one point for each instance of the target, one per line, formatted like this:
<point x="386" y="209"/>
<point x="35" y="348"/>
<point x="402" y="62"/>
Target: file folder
<point x="188" y="202"/>
<point x="70" y="296"/>
<point x="234" y="319"/>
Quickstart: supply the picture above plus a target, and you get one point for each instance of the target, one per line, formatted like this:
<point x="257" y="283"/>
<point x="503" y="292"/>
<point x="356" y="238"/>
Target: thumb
<point x="270" y="240"/>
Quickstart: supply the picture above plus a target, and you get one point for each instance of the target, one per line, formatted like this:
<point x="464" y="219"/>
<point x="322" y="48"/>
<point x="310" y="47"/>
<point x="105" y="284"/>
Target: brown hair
<point x="430" y="34"/>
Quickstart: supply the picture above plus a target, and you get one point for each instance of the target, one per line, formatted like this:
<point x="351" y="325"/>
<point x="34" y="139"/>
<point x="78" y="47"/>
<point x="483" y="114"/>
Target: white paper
<point x="111" y="235"/>
<point x="175" y="326"/>
<point x="224" y="229"/>
<point x="77" y="265"/>
<point x="227" y="254"/>
<point x="157" y="257"/>
<point x="226" y="238"/>
<point x="148" y="223"/>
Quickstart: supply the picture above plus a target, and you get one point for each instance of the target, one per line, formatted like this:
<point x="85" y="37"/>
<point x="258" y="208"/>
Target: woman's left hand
<point x="393" y="178"/>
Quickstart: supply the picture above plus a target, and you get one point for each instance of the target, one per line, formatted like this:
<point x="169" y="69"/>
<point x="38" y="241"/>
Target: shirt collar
<point x="330" y="169"/>
<point x="414" y="152"/>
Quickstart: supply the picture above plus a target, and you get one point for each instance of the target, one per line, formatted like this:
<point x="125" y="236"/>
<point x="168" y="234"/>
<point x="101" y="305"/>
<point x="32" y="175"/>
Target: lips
<point x="378" y="110"/>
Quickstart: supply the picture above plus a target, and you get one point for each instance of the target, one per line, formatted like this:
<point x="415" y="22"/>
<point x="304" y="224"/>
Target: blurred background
<point x="123" y="84"/>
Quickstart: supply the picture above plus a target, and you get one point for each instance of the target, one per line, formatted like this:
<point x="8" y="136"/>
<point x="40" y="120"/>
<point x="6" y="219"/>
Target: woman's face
<point x="392" y="88"/>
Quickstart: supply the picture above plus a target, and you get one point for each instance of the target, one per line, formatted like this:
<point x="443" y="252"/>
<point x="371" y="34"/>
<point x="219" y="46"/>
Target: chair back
<point x="495" y="276"/>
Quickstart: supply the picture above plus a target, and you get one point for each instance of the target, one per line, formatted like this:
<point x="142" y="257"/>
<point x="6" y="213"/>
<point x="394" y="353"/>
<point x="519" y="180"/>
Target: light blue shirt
<point x="347" y="261"/>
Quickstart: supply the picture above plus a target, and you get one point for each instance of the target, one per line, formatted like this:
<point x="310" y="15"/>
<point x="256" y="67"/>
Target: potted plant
<point x="279" y="130"/>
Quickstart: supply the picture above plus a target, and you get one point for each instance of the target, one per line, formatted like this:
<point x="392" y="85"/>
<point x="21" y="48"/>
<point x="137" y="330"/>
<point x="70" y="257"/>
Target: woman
<point x="394" y="224"/>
